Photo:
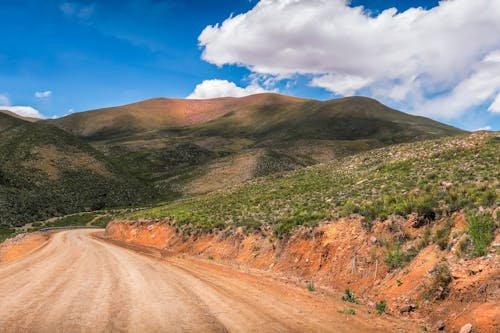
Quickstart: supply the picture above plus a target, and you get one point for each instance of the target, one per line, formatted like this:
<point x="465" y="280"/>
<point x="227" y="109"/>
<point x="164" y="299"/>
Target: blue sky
<point x="68" y="56"/>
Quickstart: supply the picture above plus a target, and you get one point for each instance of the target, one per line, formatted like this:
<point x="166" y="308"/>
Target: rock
<point x="373" y="239"/>
<point x="407" y="308"/>
<point x="467" y="328"/>
<point x="440" y="325"/>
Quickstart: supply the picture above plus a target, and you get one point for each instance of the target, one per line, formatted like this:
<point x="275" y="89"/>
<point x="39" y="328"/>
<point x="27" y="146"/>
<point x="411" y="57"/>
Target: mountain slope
<point x="47" y="172"/>
<point x="240" y="138"/>
<point x="15" y="115"/>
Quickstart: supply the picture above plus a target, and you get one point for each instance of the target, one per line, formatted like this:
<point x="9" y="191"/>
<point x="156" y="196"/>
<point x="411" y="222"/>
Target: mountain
<point x="15" y="115"/>
<point x="195" y="146"/>
<point x="47" y="172"/>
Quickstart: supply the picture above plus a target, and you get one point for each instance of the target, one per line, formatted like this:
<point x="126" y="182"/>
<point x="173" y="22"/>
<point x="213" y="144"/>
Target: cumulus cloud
<point x="24" y="111"/>
<point x="43" y="94"/>
<point x="420" y="58"/>
<point x="223" y="88"/>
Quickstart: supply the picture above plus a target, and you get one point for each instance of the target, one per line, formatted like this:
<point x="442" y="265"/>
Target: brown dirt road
<point x="77" y="283"/>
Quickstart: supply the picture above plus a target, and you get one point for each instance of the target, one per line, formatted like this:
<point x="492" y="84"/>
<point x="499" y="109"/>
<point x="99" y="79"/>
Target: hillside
<point x="429" y="178"/>
<point x="47" y="172"/>
<point x="411" y="230"/>
<point x="15" y="115"/>
<point x="178" y="145"/>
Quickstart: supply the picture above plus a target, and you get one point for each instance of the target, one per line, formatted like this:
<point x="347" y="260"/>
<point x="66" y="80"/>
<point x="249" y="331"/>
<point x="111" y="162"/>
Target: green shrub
<point x="443" y="234"/>
<point x="349" y="297"/>
<point x="349" y="311"/>
<point x="438" y="287"/>
<point x="310" y="286"/>
<point x="381" y="307"/>
<point x="481" y="228"/>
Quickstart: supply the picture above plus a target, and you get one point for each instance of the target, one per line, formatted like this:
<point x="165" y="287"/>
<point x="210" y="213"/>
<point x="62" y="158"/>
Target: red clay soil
<point x="21" y="246"/>
<point x="341" y="254"/>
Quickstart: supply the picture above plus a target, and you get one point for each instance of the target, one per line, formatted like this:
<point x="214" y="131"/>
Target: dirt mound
<point x="21" y="246"/>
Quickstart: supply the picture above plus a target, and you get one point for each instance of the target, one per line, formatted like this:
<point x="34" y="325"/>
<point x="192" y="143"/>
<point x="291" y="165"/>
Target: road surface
<point x="78" y="283"/>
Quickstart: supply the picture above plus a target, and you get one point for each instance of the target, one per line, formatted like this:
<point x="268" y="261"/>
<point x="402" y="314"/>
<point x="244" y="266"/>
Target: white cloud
<point x="485" y="128"/>
<point x="43" y="94"/>
<point x="419" y="58"/>
<point x="25" y="111"/>
<point x="223" y="88"/>
<point x="341" y="84"/>
<point x="495" y="106"/>
<point x="482" y="85"/>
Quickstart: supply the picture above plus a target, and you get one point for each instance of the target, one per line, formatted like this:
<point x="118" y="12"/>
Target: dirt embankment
<point x="21" y="246"/>
<point x="341" y="254"/>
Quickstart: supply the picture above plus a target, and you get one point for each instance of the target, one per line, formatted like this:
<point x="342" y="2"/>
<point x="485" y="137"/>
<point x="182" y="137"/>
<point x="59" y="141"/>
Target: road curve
<point x="77" y="283"/>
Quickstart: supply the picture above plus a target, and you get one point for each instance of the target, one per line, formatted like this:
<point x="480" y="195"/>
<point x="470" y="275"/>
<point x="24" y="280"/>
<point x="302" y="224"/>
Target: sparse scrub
<point x="438" y="286"/>
<point x="381" y="307"/>
<point x="481" y="229"/>
<point x="349" y="297"/>
<point x="443" y="234"/>
<point x="310" y="286"/>
<point x="372" y="184"/>
<point x="349" y="311"/>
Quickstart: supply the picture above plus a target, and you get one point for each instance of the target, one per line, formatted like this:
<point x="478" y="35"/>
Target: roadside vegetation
<point x="430" y="178"/>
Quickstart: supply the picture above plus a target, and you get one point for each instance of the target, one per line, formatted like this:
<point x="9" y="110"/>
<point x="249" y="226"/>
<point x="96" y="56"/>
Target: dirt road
<point x="77" y="283"/>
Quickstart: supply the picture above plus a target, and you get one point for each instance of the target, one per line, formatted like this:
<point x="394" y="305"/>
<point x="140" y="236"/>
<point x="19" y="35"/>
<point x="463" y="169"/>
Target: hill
<point x="15" y="115"/>
<point x="430" y="177"/>
<point x="195" y="146"/>
<point x="47" y="172"/>
<point x="411" y="230"/>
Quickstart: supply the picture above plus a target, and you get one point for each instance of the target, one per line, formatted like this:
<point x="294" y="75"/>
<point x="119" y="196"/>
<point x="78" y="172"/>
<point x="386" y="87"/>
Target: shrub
<point x="349" y="311"/>
<point x="394" y="256"/>
<point x="381" y="307"/>
<point x="349" y="297"/>
<point x="463" y="246"/>
<point x="481" y="228"/>
<point x="443" y="234"/>
<point x="310" y="286"/>
<point x="425" y="239"/>
<point x="439" y="285"/>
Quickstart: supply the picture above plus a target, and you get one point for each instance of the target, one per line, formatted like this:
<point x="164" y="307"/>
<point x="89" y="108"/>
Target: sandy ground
<point x="77" y="283"/>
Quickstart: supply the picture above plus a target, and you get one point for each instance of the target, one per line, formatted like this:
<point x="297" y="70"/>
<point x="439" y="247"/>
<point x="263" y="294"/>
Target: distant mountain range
<point x="161" y="149"/>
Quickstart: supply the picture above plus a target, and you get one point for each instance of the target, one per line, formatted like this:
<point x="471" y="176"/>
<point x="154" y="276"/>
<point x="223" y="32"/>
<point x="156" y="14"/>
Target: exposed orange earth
<point x="77" y="282"/>
<point x="340" y="254"/>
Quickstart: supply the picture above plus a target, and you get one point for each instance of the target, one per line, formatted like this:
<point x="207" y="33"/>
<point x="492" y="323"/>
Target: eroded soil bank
<point x="341" y="254"/>
<point x="22" y="245"/>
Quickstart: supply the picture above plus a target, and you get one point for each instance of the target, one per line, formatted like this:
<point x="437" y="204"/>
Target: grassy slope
<point x="441" y="175"/>
<point x="273" y="132"/>
<point x="47" y="172"/>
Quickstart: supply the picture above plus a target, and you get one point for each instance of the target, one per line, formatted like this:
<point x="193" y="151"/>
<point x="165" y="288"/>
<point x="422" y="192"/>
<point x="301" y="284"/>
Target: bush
<point x="443" y="234"/>
<point x="310" y="286"/>
<point x="349" y="311"/>
<point x="349" y="297"/>
<point x="439" y="285"/>
<point x="381" y="307"/>
<point x="481" y="229"/>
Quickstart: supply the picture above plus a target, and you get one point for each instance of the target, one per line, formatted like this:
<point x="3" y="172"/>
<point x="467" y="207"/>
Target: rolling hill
<point x="195" y="146"/>
<point x="47" y="172"/>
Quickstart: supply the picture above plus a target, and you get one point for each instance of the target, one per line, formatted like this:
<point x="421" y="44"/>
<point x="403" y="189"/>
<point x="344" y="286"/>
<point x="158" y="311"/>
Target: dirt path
<point x="77" y="283"/>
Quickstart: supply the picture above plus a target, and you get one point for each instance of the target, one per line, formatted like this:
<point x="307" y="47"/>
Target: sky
<point x="425" y="57"/>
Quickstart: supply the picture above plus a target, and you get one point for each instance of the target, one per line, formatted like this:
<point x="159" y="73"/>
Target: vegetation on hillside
<point x="169" y="143"/>
<point x="47" y="172"/>
<point x="431" y="178"/>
